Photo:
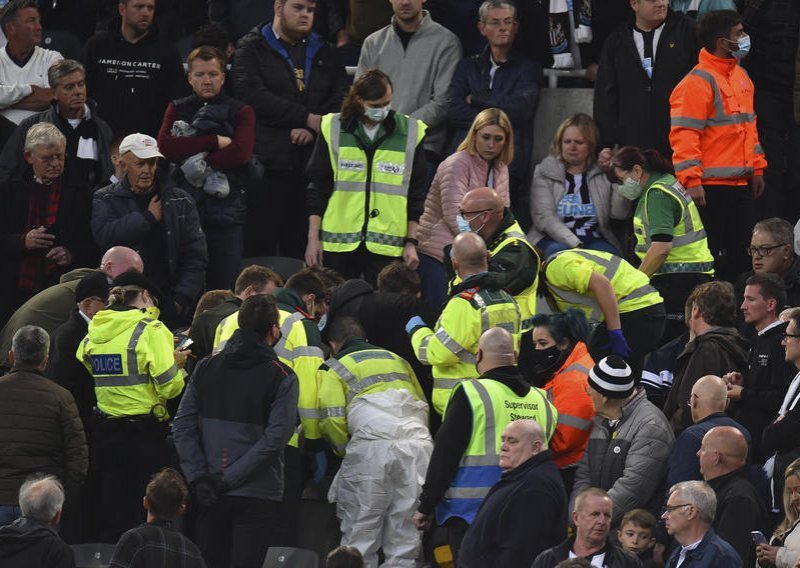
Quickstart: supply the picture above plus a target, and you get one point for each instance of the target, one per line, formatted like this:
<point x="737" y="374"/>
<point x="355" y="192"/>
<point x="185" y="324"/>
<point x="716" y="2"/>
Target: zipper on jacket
<point x="369" y="213"/>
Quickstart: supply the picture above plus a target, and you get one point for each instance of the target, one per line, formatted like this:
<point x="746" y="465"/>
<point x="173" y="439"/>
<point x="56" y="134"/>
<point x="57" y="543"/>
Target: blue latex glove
<point x="618" y="344"/>
<point x="320" y="466"/>
<point x="415" y="321"/>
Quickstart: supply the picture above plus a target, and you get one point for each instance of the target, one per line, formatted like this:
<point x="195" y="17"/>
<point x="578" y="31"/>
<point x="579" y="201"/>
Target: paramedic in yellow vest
<point x="368" y="184"/>
<point x="628" y="312"/>
<point x="671" y="240"/>
<point x="136" y="370"/>
<point x="375" y="414"/>
<point x="510" y="254"/>
<point x="475" y="305"/>
<point x="465" y="460"/>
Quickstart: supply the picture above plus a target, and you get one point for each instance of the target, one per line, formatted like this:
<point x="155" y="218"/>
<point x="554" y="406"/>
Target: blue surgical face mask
<point x="463" y="225"/>
<point x="743" y="45"/>
<point x="376" y="114"/>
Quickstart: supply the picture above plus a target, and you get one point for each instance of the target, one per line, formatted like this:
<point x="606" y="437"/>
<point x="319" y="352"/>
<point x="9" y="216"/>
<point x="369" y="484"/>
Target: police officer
<point x="475" y="305"/>
<point x="465" y="460"/>
<point x="368" y="184"/>
<point x="628" y="311"/>
<point x="375" y="414"/>
<point x="136" y="370"/>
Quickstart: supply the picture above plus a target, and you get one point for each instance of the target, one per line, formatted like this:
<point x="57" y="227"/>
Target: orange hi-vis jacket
<point x="567" y="391"/>
<point x="713" y="125"/>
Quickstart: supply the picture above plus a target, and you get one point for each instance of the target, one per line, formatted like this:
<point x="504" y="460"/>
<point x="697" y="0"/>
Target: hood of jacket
<point x="245" y="349"/>
<point x="346" y="293"/>
<point x="21" y="535"/>
<point x="727" y="339"/>
<point x="288" y="300"/>
<point x="110" y="323"/>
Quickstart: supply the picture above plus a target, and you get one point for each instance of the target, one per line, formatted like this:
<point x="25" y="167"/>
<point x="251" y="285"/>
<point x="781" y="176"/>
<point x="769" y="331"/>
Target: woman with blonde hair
<point x="571" y="198"/>
<point x="784" y="548"/>
<point x="481" y="160"/>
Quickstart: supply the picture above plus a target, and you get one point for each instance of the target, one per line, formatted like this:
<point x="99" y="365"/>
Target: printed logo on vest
<point x="106" y="364"/>
<point x="389" y="168"/>
<point x="352" y="165"/>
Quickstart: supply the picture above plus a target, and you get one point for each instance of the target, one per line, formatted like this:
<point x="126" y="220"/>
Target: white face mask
<point x="630" y="189"/>
<point x="376" y="114"/>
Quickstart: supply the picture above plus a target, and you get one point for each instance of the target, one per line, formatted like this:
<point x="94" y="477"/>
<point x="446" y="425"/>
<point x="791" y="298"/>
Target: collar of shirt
<point x="776" y="323"/>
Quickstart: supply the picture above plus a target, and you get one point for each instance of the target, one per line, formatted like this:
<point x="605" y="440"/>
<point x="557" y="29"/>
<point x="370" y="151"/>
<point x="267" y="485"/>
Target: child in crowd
<point x="636" y="535"/>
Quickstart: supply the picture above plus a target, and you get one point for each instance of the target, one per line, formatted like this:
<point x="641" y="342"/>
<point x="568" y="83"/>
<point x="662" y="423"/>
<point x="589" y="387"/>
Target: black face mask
<point x="545" y="362"/>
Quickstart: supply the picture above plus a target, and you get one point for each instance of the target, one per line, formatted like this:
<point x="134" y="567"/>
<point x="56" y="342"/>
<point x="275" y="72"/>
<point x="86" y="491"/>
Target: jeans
<point x="434" y="280"/>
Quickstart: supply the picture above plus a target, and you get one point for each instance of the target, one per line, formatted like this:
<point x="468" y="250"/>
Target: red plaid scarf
<point x="34" y="270"/>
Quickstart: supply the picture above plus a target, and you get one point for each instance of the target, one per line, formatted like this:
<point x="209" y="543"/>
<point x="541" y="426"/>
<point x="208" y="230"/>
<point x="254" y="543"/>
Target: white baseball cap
<point x="142" y="146"/>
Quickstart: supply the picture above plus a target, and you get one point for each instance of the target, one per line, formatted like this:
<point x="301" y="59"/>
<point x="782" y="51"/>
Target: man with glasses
<point x="740" y="509"/>
<point x="689" y="513"/>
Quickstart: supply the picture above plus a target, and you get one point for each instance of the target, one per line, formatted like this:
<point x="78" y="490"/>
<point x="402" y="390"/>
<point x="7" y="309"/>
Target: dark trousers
<point x="236" y="532"/>
<point x="276" y="223"/>
<point x="728" y="220"/>
<point x="225" y="249"/>
<point x="129" y="452"/>
<point x="359" y="263"/>
<point x="642" y="330"/>
<point x="675" y="289"/>
<point x="780" y="138"/>
<point x="456" y="530"/>
<point x="288" y="523"/>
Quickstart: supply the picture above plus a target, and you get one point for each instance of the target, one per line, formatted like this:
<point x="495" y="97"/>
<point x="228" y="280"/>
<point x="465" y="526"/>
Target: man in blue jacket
<point x="236" y="416"/>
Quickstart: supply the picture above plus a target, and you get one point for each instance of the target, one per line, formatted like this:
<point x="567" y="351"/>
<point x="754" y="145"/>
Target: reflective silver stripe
<point x="574" y="421"/>
<point x="515" y="234"/>
<point x="332" y="412"/>
<point x="333" y="143"/>
<point x="689" y="238"/>
<point x="578" y="300"/>
<point x="728" y="119"/>
<point x="343" y="238"/>
<point x="576" y="367"/>
<point x="686" y="164"/>
<point x="383" y="239"/>
<point x="727" y="171"/>
<point x="344" y="373"/>
<point x="411" y="148"/>
<point x="286" y="329"/>
<point x="466" y="492"/>
<point x="490" y="433"/>
<point x="687" y="122"/>
<point x="423" y="349"/>
<point x="309" y="413"/>
<point x="549" y="411"/>
<point x="758" y="149"/>
<point x="447" y="384"/>
<point x="102" y="381"/>
<point x="133" y="362"/>
<point x="638" y="293"/>
<point x="692" y="235"/>
<point x="672" y="267"/>
<point x="377" y="187"/>
<point x="454" y="347"/>
<point x="368" y="354"/>
<point x="307" y="351"/>
<point x="370" y="380"/>
<point x="485" y="323"/>
<point x="720" y="118"/>
<point x="479" y="460"/>
<point x="222" y="325"/>
<point x="166" y="375"/>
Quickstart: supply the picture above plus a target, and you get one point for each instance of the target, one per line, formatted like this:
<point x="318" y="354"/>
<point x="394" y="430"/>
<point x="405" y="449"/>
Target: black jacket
<point x="133" y="82"/>
<point x="27" y="543"/>
<point x="740" y="510"/>
<point x="772" y="26"/>
<point x="523" y="514"/>
<point x="630" y="108"/>
<point x="263" y="78"/>
<point x="615" y="557"/>
<point x="65" y="369"/>
<point x="119" y="219"/>
<point x="204" y="326"/>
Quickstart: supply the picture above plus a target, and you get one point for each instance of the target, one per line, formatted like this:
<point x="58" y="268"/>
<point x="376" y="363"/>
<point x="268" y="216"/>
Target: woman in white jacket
<point x="571" y="198"/>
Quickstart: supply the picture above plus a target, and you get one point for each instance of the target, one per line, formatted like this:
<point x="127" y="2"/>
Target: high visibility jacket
<point x="713" y="125"/>
<point x="130" y="354"/>
<point x="567" y="274"/>
<point x="527" y="298"/>
<point x="689" y="252"/>
<point x="566" y="390"/>
<point x="225" y="329"/>
<point x="370" y="189"/>
<point x="494" y="406"/>
<point x="451" y="349"/>
<point x="354" y="373"/>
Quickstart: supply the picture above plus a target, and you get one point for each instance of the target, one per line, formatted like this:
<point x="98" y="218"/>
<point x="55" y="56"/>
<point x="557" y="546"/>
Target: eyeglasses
<point x="669" y="509"/>
<point x="764" y="250"/>
<point x="465" y="213"/>
<point x="788" y="335"/>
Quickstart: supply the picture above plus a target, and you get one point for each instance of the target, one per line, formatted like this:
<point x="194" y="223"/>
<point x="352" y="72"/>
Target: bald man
<point x="707" y="403"/>
<point x="525" y="511"/>
<point x="466" y="461"/>
<point x="740" y="508"/>
<point x="51" y="307"/>
<point x="511" y="257"/>
<point x="475" y="305"/>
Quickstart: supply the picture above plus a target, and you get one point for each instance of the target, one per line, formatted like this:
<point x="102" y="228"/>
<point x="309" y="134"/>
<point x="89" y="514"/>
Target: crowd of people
<point x="236" y="278"/>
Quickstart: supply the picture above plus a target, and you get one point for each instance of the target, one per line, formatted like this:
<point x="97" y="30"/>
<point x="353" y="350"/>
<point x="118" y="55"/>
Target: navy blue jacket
<point x="712" y="552"/>
<point x="515" y="90"/>
<point x="523" y="514"/>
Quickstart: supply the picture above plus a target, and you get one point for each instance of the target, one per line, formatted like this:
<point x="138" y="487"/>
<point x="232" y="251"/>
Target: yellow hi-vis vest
<point x="342" y="379"/>
<point x="451" y="349"/>
<point x="370" y="190"/>
<point x="689" y="252"/>
<point x="494" y="406"/>
<point x="224" y="331"/>
<point x="567" y="273"/>
<point x="131" y="358"/>
<point x="526" y="300"/>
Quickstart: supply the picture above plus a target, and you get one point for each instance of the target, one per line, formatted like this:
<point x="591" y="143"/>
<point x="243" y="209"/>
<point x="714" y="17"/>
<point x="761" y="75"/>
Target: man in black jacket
<point x="132" y="71"/>
<point x="236" y="416"/>
<point x="592" y="519"/>
<point x="148" y="214"/>
<point x="641" y="62"/>
<point x="525" y="512"/>
<point x="291" y="78"/>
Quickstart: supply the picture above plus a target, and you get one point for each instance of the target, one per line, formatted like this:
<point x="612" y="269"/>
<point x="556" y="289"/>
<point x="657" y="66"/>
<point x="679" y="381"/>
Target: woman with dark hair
<point x="556" y="359"/>
<point x="367" y="184"/>
<point x="670" y="238"/>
